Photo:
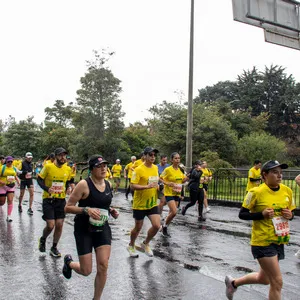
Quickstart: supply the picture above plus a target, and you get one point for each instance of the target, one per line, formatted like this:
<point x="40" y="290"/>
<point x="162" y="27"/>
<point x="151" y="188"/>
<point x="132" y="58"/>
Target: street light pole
<point x="189" y="132"/>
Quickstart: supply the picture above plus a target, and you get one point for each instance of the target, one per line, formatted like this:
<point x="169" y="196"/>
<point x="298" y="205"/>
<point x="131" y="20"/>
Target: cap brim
<point x="282" y="166"/>
<point x="101" y="162"/>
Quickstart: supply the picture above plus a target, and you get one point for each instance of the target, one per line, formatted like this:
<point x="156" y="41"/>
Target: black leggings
<point x="196" y="195"/>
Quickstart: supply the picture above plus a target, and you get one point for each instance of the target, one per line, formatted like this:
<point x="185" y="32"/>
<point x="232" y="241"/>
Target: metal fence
<point x="230" y="185"/>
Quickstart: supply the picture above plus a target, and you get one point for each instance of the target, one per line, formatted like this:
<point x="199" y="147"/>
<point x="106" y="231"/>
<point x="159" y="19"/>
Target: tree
<point x="261" y="146"/>
<point x="21" y="137"/>
<point x="59" y="113"/>
<point x="99" y="107"/>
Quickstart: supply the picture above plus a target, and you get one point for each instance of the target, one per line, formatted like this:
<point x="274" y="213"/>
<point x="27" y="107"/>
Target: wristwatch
<point x="85" y="210"/>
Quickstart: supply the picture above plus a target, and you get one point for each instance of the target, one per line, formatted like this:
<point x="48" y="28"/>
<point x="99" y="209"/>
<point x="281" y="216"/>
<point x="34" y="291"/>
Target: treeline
<point x="235" y="122"/>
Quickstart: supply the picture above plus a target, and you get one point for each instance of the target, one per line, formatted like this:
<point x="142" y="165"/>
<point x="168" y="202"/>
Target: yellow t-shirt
<point x="108" y="174"/>
<point x="206" y="173"/>
<point x="144" y="199"/>
<point x="137" y="163"/>
<point x="259" y="198"/>
<point x="128" y="168"/>
<point x="17" y="162"/>
<point x="169" y="174"/>
<point x="57" y="178"/>
<point x="9" y="174"/>
<point x="116" y="170"/>
<point x="255" y="174"/>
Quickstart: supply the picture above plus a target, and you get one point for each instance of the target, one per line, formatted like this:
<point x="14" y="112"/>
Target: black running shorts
<point x="53" y="208"/>
<point x="26" y="183"/>
<point x="141" y="214"/>
<point x="268" y="251"/>
<point x="86" y="241"/>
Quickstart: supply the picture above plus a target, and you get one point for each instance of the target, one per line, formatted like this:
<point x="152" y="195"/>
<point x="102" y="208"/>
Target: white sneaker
<point x="298" y="254"/>
<point x="208" y="209"/>
<point x="9" y="219"/>
<point x="132" y="252"/>
<point x="230" y="290"/>
<point x="147" y="249"/>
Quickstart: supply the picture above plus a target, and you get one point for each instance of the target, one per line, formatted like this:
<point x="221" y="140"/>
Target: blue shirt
<point x="161" y="168"/>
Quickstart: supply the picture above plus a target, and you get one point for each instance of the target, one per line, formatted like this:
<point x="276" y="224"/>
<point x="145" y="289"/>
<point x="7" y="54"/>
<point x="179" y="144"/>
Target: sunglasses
<point x="152" y="154"/>
<point x="9" y="162"/>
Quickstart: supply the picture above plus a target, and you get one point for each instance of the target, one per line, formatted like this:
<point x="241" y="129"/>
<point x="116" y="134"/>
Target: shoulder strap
<point x="3" y="170"/>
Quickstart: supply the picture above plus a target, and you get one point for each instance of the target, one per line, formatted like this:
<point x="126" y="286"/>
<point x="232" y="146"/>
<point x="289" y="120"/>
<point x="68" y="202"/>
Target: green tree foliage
<point x="261" y="146"/>
<point x="99" y="110"/>
<point x="59" y="113"/>
<point x="21" y="137"/>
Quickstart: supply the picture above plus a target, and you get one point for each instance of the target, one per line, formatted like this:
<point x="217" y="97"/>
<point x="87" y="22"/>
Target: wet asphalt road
<point x="191" y="264"/>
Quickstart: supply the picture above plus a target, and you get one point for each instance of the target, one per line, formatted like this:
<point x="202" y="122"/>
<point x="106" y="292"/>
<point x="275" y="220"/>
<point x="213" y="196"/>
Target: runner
<point x="26" y="169"/>
<point x="173" y="178"/>
<point x="116" y="171"/>
<point x="91" y="228"/>
<point x="108" y="174"/>
<point x="207" y="178"/>
<point x="127" y="174"/>
<point x="254" y="178"/>
<point x="2" y="160"/>
<point x="161" y="196"/>
<point x="49" y="159"/>
<point x="54" y="179"/>
<point x="269" y="206"/>
<point x="144" y="182"/>
<point x="8" y="179"/>
<point x="297" y="179"/>
<point x="196" y="190"/>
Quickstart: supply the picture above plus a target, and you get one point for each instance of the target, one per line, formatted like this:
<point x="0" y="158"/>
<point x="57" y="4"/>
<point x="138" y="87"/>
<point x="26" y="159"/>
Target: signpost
<point x="278" y="18"/>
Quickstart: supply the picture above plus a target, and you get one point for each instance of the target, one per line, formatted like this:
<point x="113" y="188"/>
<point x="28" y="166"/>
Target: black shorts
<point x="85" y="240"/>
<point x="268" y="251"/>
<point x="170" y="198"/>
<point x="139" y="214"/>
<point x="53" y="208"/>
<point x="26" y="183"/>
<point x="205" y="186"/>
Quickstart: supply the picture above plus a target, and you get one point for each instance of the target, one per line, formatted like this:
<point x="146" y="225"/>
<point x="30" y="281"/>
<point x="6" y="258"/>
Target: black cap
<point x="96" y="160"/>
<point x="271" y="164"/>
<point x="149" y="150"/>
<point x="198" y="162"/>
<point x="52" y="155"/>
<point x="60" y="151"/>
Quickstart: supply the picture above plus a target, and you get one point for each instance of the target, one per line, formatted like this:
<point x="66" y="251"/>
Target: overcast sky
<point x="45" y="45"/>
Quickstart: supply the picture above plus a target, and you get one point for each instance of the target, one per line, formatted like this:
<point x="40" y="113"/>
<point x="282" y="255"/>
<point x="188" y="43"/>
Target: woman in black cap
<point x="270" y="207"/>
<point x="91" y="228"/>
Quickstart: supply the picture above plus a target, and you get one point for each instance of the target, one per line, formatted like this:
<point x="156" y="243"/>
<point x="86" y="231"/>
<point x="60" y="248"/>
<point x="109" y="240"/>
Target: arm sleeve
<point x="41" y="183"/>
<point x="254" y="179"/>
<point x="245" y="214"/>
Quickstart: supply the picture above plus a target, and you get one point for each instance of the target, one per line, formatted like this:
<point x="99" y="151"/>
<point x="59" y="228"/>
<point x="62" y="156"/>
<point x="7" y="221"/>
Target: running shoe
<point x="164" y="230"/>
<point x="230" y="289"/>
<point x="30" y="211"/>
<point x="201" y="219"/>
<point x="208" y="209"/>
<point x="67" y="271"/>
<point x="54" y="252"/>
<point x="298" y="254"/>
<point x="147" y="249"/>
<point x="9" y="219"/>
<point x="132" y="252"/>
<point x="42" y="244"/>
<point x="183" y="211"/>
<point x="20" y="208"/>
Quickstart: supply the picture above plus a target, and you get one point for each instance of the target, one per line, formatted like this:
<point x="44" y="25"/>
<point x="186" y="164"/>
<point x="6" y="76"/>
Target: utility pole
<point x="189" y="132"/>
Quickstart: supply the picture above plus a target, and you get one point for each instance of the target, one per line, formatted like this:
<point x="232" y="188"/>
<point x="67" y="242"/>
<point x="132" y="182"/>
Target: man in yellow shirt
<point x="127" y="174"/>
<point x="144" y="182"/>
<point x="116" y="171"/>
<point x="254" y="176"/>
<point x="54" y="179"/>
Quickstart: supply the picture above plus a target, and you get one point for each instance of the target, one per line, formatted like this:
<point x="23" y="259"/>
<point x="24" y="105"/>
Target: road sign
<point x="279" y="19"/>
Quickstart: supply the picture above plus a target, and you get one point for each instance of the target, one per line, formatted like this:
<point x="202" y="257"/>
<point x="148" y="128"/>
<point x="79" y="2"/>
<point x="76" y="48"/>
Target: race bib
<point x="152" y="179"/>
<point x="28" y="175"/>
<point x="281" y="226"/>
<point x="103" y="218"/>
<point x="58" y="187"/>
<point x="177" y="188"/>
<point x="10" y="178"/>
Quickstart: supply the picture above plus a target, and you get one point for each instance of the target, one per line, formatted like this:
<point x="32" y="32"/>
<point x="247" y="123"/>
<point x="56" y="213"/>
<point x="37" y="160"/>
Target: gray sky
<point x="44" y="46"/>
